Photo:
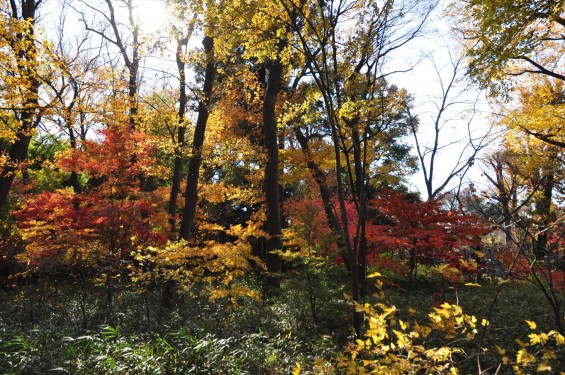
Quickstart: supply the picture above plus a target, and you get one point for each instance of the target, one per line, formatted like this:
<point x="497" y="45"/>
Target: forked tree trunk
<point x="191" y="192"/>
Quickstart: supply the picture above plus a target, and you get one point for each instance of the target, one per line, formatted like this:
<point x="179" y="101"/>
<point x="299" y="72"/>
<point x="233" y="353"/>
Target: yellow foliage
<point x="540" y="110"/>
<point x="217" y="264"/>
<point x="26" y="60"/>
<point x="396" y="346"/>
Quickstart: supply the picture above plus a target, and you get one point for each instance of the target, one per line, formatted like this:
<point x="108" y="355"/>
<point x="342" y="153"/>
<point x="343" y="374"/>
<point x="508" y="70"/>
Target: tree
<point x="126" y="39"/>
<point x="348" y="70"/>
<point x="25" y="60"/>
<point x="99" y="227"/>
<point x="76" y="91"/>
<point x="506" y="188"/>
<point x="450" y="106"/>
<point x="191" y="196"/>
<point x="425" y="230"/>
<point x="540" y="111"/>
<point x="506" y="39"/>
<point x="264" y="35"/>
<point x="540" y="162"/>
<point x="527" y="176"/>
<point x="180" y="141"/>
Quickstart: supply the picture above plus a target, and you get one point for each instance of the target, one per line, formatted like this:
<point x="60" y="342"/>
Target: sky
<point x="469" y="111"/>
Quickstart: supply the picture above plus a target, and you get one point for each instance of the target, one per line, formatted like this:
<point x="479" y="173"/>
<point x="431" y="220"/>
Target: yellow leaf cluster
<point x="216" y="264"/>
<point x="396" y="346"/>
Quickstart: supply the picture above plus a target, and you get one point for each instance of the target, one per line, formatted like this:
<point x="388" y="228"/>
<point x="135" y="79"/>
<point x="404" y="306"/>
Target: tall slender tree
<point x="191" y="193"/>
<point x="349" y="72"/>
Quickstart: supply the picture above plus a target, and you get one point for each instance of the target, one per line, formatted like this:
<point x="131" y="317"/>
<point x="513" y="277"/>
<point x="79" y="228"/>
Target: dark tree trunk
<point x="191" y="192"/>
<point x="179" y="157"/>
<point x="73" y="180"/>
<point x="543" y="208"/>
<point x="271" y="182"/>
<point x="17" y="154"/>
<point x="27" y="116"/>
<point x="325" y="194"/>
<point x="360" y="197"/>
<point x="131" y="62"/>
<point x="133" y="68"/>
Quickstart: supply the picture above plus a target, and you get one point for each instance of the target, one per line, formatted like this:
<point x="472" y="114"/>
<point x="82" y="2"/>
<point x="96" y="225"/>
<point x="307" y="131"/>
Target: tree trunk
<point x="17" y="154"/>
<point x="543" y="208"/>
<point x="28" y="116"/>
<point x="321" y="181"/>
<point x="73" y="180"/>
<point x="271" y="182"/>
<point x="191" y="192"/>
<point x="179" y="157"/>
<point x="360" y="197"/>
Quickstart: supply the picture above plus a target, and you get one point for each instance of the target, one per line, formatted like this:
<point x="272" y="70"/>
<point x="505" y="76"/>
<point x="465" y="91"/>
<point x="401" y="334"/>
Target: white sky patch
<point x="151" y="14"/>
<point x="431" y="57"/>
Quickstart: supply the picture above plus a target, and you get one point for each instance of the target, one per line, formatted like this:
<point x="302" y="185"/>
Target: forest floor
<point x="67" y="326"/>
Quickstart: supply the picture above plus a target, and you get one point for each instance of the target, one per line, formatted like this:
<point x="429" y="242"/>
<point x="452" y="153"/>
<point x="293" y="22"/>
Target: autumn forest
<point x="282" y="186"/>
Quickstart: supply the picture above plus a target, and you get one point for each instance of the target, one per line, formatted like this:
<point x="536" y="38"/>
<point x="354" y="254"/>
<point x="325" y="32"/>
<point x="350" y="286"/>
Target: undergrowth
<point x="67" y="327"/>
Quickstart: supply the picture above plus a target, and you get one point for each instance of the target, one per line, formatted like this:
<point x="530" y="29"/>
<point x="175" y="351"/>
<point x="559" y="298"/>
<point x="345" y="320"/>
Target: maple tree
<point x="286" y="125"/>
<point x="424" y="231"/>
<point x="99" y="227"/>
<point x="401" y="230"/>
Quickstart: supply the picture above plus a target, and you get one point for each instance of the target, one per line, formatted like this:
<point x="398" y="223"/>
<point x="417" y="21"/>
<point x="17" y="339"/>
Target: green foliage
<point x="509" y="38"/>
<point x="197" y="336"/>
<point x="41" y="329"/>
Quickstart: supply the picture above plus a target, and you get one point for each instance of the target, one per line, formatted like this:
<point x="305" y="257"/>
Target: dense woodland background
<point x="233" y="191"/>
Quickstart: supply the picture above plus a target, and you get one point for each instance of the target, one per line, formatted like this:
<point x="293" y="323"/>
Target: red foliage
<point x="422" y="226"/>
<point x="424" y="230"/>
<point x="105" y="222"/>
<point x="308" y="214"/>
<point x="400" y="232"/>
<point x="385" y="263"/>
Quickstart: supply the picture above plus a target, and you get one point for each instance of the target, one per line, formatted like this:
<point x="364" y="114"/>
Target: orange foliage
<point x="102" y="225"/>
